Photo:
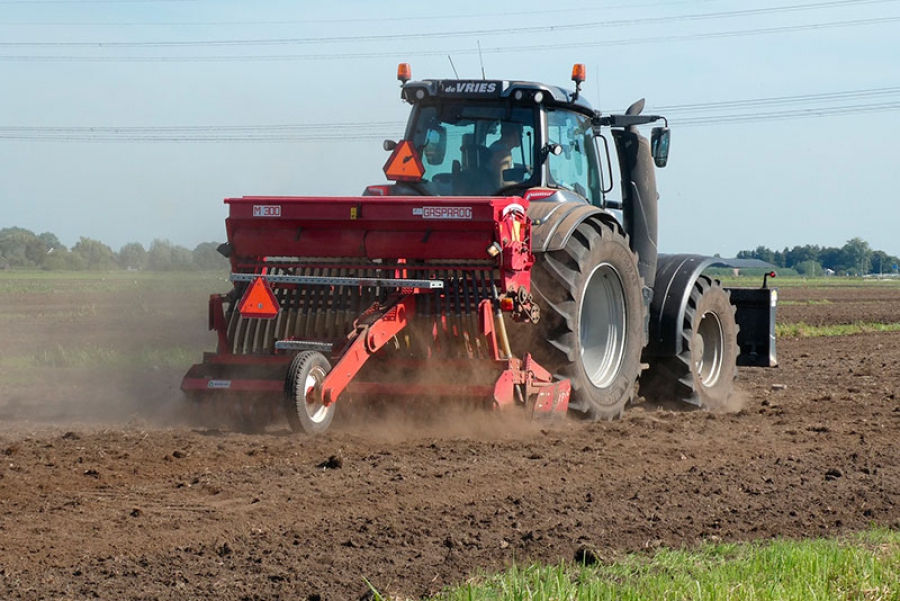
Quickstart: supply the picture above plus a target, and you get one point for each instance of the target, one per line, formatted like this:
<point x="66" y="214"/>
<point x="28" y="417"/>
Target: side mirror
<point x="659" y="146"/>
<point x="554" y="149"/>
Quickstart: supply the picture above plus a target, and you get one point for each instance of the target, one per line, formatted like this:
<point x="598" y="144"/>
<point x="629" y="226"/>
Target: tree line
<point x="855" y="257"/>
<point x="22" y="248"/>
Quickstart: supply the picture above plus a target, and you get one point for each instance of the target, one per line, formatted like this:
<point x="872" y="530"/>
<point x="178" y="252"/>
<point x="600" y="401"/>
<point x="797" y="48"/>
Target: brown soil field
<point x="106" y="493"/>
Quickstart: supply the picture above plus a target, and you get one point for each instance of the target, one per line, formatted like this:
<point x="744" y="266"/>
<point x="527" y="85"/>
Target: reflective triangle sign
<point x="259" y="301"/>
<point x="404" y="165"/>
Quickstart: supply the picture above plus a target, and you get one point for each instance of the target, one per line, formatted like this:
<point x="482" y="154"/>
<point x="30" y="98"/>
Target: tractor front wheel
<point x="703" y="373"/>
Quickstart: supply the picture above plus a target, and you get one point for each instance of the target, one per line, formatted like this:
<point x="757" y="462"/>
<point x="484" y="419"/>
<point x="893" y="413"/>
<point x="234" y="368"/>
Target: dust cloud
<point x="98" y="351"/>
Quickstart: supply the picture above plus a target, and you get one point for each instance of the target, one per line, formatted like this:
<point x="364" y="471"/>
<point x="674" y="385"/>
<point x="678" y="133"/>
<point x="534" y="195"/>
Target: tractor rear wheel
<point x="303" y="393"/>
<point x="703" y="373"/>
<point x="592" y="318"/>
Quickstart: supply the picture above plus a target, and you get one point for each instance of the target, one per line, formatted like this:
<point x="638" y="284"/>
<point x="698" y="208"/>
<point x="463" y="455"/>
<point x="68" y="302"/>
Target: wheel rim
<point x="316" y="411"/>
<point x="602" y="330"/>
<point x="710" y="342"/>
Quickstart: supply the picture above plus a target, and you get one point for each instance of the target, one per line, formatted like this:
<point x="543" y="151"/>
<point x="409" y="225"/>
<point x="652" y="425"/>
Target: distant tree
<point x="132" y="256"/>
<point x="182" y="258"/>
<point x="800" y="254"/>
<point x="165" y="256"/>
<point x="764" y="254"/>
<point x="52" y="241"/>
<point x="96" y="255"/>
<point x="63" y="260"/>
<point x="883" y="262"/>
<point x="856" y="256"/>
<point x="208" y="258"/>
<point x="830" y="258"/>
<point x="159" y="256"/>
<point x="21" y="248"/>
<point x="778" y="258"/>
<point x="809" y="268"/>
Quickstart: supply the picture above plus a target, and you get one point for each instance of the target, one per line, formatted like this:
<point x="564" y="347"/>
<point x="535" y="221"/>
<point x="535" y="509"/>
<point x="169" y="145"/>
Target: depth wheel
<point x="703" y="373"/>
<point x="303" y="394"/>
<point x="592" y="319"/>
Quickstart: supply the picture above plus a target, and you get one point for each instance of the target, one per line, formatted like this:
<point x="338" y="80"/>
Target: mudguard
<point x="755" y="311"/>
<point x="675" y="276"/>
<point x="553" y="222"/>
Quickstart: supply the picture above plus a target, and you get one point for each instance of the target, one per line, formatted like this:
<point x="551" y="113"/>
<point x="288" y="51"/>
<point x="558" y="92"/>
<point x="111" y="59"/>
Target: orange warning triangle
<point x="259" y="301"/>
<point x="404" y="165"/>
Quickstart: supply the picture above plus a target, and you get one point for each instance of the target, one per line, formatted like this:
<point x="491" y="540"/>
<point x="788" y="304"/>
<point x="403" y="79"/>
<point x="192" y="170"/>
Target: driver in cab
<point x="501" y="150"/>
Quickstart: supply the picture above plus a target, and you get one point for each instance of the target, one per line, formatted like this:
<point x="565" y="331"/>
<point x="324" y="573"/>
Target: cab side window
<point x="576" y="166"/>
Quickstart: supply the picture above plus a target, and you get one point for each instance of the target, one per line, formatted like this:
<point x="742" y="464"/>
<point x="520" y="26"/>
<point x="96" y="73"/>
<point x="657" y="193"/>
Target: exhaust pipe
<point x="640" y="198"/>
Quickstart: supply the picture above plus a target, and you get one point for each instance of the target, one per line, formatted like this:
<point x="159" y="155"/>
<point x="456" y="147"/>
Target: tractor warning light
<point x="404" y="72"/>
<point x="578" y="73"/>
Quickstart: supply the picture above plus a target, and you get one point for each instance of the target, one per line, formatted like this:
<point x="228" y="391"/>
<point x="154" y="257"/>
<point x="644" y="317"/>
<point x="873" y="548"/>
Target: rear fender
<point x="755" y="311"/>
<point x="675" y="277"/>
<point x="553" y="222"/>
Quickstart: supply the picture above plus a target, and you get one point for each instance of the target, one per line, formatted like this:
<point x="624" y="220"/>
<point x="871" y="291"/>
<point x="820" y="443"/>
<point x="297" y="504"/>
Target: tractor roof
<point x="487" y="89"/>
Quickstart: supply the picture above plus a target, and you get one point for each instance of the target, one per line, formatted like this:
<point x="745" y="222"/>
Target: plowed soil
<point x="105" y="493"/>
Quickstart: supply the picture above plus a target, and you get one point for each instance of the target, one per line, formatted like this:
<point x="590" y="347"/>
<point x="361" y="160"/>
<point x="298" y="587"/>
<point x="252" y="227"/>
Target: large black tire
<point x="703" y="373"/>
<point x="592" y="319"/>
<point x="303" y="394"/>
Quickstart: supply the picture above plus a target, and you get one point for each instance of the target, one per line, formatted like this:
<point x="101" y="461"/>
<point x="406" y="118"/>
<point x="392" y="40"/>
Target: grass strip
<point x="804" y="330"/>
<point x="860" y="566"/>
<point x="798" y="282"/>
<point x="96" y="356"/>
<point x="73" y="282"/>
<point x="811" y="302"/>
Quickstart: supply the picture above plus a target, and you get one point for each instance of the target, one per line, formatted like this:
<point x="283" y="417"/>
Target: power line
<point x="785" y="115"/>
<point x="441" y="18"/>
<point x="447" y="34"/>
<point x="3" y="2"/>
<point x="706" y="36"/>
<point x="778" y="100"/>
<point x="444" y="52"/>
<point x="296" y="133"/>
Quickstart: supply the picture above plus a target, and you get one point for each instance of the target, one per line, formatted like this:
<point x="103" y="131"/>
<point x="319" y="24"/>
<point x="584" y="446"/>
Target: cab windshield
<point x="475" y="149"/>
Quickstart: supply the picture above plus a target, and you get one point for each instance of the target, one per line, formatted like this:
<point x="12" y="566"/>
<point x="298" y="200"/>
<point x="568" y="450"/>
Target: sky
<point x="132" y="120"/>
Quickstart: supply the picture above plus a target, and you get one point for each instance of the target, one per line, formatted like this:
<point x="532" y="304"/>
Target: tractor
<point x="512" y="261"/>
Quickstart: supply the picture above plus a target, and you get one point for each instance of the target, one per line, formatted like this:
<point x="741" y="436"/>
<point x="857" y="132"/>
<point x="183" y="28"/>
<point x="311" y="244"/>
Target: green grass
<point x="799" y="282"/>
<point x="26" y="282"/>
<point x="804" y="330"/>
<point x="811" y="302"/>
<point x="96" y="356"/>
<point x="862" y="566"/>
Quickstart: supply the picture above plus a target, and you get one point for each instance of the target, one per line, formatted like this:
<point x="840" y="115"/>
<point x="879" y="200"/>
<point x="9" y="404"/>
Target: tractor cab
<point x="500" y="138"/>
